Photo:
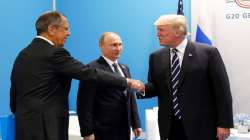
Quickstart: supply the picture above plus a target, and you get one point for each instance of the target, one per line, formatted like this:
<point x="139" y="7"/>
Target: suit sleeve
<point x="150" y="90"/>
<point x="67" y="65"/>
<point x="221" y="89"/>
<point x="85" y="105"/>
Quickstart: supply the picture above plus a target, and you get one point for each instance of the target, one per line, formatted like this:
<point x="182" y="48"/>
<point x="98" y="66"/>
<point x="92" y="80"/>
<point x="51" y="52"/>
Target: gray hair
<point x="46" y="19"/>
<point x="102" y="38"/>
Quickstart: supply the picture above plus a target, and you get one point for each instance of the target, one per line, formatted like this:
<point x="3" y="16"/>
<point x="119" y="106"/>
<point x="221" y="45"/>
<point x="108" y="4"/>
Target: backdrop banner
<point x="226" y="25"/>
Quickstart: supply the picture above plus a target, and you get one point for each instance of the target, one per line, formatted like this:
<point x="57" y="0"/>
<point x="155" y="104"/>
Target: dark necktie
<point x="175" y="76"/>
<point x="116" y="70"/>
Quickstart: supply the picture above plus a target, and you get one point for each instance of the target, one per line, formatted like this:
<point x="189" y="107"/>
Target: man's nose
<point x="117" y="48"/>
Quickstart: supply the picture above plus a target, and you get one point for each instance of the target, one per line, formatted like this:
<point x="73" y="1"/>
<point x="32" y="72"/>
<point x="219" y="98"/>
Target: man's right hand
<point x="89" y="137"/>
<point x="136" y="84"/>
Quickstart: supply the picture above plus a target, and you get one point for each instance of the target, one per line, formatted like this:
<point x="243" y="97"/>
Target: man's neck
<point x="177" y="43"/>
<point x="109" y="60"/>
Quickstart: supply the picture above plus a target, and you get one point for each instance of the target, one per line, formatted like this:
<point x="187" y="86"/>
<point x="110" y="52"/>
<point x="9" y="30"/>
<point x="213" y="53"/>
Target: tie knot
<point x="116" y="70"/>
<point x="174" y="50"/>
<point x="115" y="65"/>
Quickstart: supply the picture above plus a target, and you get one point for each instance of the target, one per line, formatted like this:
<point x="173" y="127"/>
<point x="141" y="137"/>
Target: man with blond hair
<point x="191" y="83"/>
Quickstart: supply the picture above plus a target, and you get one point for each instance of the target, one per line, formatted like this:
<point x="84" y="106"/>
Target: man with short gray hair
<point x="41" y="78"/>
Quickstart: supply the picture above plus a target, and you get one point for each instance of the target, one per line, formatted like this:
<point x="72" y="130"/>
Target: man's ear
<point x="178" y="33"/>
<point x="51" y="30"/>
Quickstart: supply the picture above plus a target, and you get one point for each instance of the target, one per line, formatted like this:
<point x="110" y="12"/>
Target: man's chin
<point x="162" y="44"/>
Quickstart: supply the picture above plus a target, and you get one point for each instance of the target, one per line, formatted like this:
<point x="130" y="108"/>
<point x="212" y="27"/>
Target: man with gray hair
<point x="191" y="83"/>
<point x="41" y="78"/>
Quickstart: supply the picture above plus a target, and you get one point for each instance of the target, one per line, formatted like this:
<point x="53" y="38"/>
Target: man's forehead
<point x="113" y="37"/>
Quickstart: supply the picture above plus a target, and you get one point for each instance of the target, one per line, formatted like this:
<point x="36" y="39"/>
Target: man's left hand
<point x="223" y="133"/>
<point x="137" y="132"/>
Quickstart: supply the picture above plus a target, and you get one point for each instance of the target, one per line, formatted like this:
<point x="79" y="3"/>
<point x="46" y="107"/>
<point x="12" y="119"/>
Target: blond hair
<point x="177" y="22"/>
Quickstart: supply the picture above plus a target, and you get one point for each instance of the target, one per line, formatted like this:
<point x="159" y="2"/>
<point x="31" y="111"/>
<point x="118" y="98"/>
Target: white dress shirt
<point x="110" y="62"/>
<point x="181" y="50"/>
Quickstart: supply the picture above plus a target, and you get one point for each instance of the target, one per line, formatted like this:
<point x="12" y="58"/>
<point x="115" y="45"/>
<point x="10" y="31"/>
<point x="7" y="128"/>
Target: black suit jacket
<point x="204" y="91"/>
<point x="40" y="83"/>
<point x="106" y="111"/>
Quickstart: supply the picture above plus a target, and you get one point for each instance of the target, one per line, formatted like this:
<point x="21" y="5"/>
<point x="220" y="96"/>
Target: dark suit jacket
<point x="40" y="83"/>
<point x="204" y="91"/>
<point x="106" y="111"/>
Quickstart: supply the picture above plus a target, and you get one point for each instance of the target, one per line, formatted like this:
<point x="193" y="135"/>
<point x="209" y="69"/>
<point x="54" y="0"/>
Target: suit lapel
<point x="165" y="65"/>
<point x="188" y="56"/>
<point x="127" y="75"/>
<point x="124" y="70"/>
<point x="105" y="66"/>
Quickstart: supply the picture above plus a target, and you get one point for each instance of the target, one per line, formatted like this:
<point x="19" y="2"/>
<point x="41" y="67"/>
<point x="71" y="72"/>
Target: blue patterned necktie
<point x="175" y="76"/>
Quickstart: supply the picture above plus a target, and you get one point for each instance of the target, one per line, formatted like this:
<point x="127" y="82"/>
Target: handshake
<point x="136" y="84"/>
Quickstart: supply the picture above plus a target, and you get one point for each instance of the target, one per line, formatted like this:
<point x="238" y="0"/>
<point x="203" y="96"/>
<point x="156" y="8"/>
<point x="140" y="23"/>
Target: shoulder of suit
<point x="58" y="51"/>
<point x="201" y="45"/>
<point x="41" y="42"/>
<point x="160" y="51"/>
<point x="95" y="63"/>
<point x="46" y="46"/>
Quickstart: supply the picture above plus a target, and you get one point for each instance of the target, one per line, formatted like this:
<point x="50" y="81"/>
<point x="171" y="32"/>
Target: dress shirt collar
<point x="181" y="47"/>
<point x="110" y="62"/>
<point x="41" y="37"/>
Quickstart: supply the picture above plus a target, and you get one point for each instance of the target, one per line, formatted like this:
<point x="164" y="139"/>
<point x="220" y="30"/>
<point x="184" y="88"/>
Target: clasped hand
<point x="136" y="84"/>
